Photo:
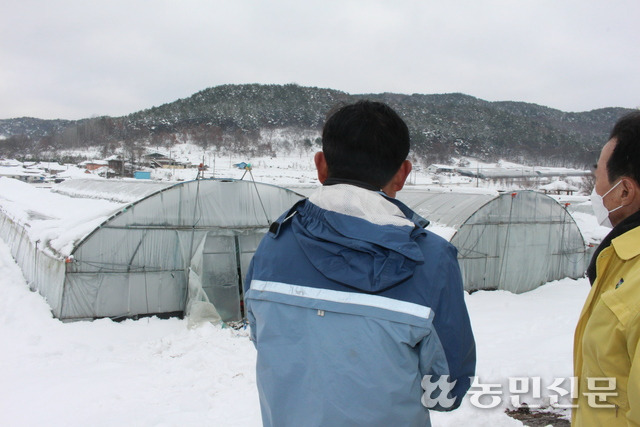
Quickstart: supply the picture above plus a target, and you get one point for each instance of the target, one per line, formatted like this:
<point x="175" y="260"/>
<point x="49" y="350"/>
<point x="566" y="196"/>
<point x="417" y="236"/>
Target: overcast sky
<point x="81" y="58"/>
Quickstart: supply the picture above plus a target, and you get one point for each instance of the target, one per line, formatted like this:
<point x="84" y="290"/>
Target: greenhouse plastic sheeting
<point x="126" y="190"/>
<point x="514" y="241"/>
<point x="198" y="308"/>
<point x="42" y="272"/>
<point x="448" y="208"/>
<point x="137" y="261"/>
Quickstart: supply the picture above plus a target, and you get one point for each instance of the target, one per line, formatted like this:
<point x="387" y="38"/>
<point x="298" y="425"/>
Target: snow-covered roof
<point x="75" y="172"/>
<point x="54" y="220"/>
<point x="95" y="162"/>
<point x="19" y="171"/>
<point x="438" y="166"/>
<point x="499" y="172"/>
<point x="115" y="190"/>
<point x="10" y="162"/>
<point x="559" y="186"/>
<point x="47" y="165"/>
<point x="513" y="170"/>
<point x="104" y="170"/>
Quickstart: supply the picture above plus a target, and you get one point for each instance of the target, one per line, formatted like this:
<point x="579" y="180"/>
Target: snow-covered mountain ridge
<point x="238" y="118"/>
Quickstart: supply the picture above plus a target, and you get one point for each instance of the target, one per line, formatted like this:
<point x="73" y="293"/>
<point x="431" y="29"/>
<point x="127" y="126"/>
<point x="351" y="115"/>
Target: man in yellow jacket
<point x="607" y="339"/>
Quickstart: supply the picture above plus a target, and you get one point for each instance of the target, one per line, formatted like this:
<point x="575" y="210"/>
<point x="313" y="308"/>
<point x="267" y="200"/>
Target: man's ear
<point x="398" y="180"/>
<point x="630" y="194"/>
<point x="321" y="166"/>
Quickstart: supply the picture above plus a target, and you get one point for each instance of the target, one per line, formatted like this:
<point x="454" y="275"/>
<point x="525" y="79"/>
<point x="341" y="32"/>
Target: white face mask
<point x="602" y="213"/>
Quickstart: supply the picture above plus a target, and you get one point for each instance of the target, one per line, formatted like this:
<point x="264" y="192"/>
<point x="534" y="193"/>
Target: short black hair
<point x="625" y="158"/>
<point x="366" y="141"/>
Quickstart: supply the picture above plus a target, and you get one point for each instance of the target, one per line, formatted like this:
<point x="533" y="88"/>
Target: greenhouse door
<point x="225" y="260"/>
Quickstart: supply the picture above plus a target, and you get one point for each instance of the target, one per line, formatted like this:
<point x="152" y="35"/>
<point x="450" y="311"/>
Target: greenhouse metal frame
<point x="139" y="261"/>
<point x="513" y="241"/>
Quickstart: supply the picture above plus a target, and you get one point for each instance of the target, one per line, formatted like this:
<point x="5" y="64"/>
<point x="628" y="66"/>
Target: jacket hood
<point x="353" y="250"/>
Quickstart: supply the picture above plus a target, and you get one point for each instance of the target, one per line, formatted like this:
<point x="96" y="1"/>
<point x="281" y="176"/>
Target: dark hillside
<point x="232" y="117"/>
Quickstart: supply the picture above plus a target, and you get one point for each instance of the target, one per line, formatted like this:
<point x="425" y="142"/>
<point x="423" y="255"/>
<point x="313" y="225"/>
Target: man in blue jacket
<point x="352" y="303"/>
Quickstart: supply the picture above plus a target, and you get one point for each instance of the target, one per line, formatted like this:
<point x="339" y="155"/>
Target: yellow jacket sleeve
<point x="633" y="384"/>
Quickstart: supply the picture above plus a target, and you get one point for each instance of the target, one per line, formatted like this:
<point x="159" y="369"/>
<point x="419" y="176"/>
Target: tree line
<point x="233" y="118"/>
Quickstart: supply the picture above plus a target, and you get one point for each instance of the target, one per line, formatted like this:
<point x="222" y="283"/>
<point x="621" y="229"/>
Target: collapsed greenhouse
<point x="510" y="241"/>
<point x="143" y="251"/>
<point x="102" y="248"/>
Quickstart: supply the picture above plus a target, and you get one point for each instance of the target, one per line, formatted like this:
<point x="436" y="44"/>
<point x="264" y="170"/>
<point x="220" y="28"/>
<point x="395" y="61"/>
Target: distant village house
<point x="157" y="160"/>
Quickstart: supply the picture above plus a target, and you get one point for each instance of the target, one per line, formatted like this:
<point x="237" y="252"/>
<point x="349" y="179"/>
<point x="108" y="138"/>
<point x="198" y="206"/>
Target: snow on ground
<point x="284" y="171"/>
<point x="149" y="372"/>
<point x="292" y="165"/>
<point x="154" y="372"/>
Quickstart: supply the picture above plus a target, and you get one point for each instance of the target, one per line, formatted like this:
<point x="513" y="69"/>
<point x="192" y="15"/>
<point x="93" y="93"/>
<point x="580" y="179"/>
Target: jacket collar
<point x="619" y="230"/>
<point x="366" y="186"/>
<point x="418" y="220"/>
<point x="411" y="215"/>
<point x="626" y="245"/>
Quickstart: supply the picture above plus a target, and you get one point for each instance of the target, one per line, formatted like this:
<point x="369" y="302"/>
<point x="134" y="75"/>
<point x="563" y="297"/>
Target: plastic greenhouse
<point x="511" y="241"/>
<point x="143" y="252"/>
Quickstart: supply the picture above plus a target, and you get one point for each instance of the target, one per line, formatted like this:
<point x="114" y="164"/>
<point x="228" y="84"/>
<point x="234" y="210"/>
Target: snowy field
<point x="154" y="372"/>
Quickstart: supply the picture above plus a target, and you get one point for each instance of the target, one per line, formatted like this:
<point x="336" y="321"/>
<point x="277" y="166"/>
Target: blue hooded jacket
<point x="349" y="307"/>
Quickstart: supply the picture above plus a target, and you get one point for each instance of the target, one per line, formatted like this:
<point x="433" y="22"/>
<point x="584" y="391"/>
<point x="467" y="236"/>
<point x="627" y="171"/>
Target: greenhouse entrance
<point x="225" y="261"/>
